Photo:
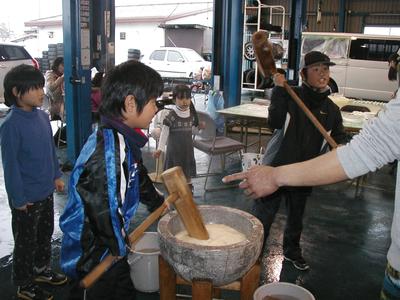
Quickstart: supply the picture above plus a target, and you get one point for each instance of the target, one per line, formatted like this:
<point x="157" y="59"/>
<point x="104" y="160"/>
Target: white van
<point x="361" y="69"/>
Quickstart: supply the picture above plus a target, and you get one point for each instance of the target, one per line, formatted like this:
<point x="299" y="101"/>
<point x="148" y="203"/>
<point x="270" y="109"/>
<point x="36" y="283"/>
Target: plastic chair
<point x="208" y="142"/>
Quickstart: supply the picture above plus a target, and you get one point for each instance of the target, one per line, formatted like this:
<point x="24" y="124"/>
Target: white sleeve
<point x="160" y="116"/>
<point x="377" y="144"/>
<point x="195" y="130"/>
<point x="162" y="142"/>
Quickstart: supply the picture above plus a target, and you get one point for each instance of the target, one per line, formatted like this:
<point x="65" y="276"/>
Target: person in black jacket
<point x="296" y="139"/>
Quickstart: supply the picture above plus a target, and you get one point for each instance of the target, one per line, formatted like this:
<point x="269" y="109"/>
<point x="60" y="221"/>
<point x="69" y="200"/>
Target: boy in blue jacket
<point x="108" y="181"/>
<point x="31" y="173"/>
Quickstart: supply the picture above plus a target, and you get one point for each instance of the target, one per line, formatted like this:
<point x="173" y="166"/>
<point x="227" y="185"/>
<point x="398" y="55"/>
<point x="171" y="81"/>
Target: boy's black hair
<point x="304" y="72"/>
<point x="57" y="62"/>
<point x="181" y="91"/>
<point x="97" y="79"/>
<point x="129" y="78"/>
<point x="23" y="78"/>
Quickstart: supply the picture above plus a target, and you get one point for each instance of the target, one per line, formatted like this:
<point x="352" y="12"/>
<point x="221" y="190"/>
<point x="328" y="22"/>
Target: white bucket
<point x="250" y="159"/>
<point x="282" y="291"/>
<point x="144" y="263"/>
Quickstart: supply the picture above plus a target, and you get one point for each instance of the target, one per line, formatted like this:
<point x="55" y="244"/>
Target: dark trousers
<point x="32" y="230"/>
<point x="115" y="284"/>
<point x="266" y="208"/>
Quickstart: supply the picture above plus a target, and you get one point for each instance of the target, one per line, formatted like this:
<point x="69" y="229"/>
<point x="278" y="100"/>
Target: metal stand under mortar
<point x="203" y="289"/>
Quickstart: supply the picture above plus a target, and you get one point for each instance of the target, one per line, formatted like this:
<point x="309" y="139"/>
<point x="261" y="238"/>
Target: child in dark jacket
<point x="107" y="182"/>
<point x="296" y="139"/>
<point x="31" y="173"/>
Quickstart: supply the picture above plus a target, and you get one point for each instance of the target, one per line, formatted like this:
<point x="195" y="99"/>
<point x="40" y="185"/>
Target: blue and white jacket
<point x="104" y="193"/>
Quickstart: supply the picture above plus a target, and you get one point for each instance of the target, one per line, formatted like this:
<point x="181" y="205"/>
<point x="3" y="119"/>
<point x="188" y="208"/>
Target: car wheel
<point x="245" y="75"/>
<point x="249" y="51"/>
<point x="261" y="81"/>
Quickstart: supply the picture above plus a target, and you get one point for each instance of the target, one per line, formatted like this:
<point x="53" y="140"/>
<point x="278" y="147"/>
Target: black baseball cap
<point x="315" y="58"/>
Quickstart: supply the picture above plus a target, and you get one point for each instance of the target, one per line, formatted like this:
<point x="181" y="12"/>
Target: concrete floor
<point x="345" y="238"/>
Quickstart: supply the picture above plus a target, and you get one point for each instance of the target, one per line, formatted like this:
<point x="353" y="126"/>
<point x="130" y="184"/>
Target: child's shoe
<point x="33" y="292"/>
<point x="50" y="277"/>
<point x="298" y="262"/>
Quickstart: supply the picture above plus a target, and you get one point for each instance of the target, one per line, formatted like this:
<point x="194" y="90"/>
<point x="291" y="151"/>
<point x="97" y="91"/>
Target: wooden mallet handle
<point x="266" y="63"/>
<point x="107" y="262"/>
<point x="175" y="182"/>
<point x="310" y="116"/>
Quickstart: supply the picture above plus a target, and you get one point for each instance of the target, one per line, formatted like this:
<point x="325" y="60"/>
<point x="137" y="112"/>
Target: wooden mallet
<point x="181" y="196"/>
<point x="266" y="65"/>
<point x="175" y="182"/>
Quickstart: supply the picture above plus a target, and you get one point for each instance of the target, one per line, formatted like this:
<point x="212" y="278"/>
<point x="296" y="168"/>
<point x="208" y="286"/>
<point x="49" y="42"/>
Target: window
<point x="370" y="49"/>
<point x="13" y="53"/>
<point x="334" y="47"/>
<point x="382" y="30"/>
<point x="158" y="55"/>
<point x="122" y="35"/>
<point x="175" y="56"/>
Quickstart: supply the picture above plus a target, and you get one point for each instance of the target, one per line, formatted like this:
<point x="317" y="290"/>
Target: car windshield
<point x="9" y="52"/>
<point x="192" y="55"/>
<point x="158" y="55"/>
<point x="332" y="46"/>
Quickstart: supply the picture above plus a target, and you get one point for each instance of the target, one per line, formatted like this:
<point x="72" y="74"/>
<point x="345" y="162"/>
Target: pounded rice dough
<point x="220" y="235"/>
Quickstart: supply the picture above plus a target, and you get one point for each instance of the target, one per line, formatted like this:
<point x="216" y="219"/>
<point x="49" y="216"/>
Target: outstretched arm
<point x="377" y="144"/>
<point x="264" y="180"/>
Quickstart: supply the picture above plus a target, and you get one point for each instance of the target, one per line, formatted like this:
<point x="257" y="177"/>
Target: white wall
<point x="144" y="37"/>
<point x="36" y="46"/>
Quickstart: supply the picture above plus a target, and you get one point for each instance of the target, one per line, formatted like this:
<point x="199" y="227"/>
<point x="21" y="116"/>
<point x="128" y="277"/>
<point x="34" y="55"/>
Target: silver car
<point x="12" y="55"/>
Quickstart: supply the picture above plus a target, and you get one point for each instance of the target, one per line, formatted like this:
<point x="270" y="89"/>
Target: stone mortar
<point x="220" y="264"/>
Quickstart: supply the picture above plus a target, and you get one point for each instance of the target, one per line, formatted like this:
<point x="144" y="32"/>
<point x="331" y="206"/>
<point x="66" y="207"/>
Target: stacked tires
<point x="44" y="61"/>
<point x="52" y="53"/>
<point x="133" y="54"/>
<point x="48" y="56"/>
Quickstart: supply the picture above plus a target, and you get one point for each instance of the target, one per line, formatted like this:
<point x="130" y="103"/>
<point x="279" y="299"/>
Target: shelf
<point x="265" y="14"/>
<point x="252" y="89"/>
